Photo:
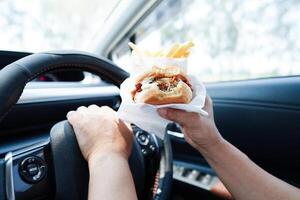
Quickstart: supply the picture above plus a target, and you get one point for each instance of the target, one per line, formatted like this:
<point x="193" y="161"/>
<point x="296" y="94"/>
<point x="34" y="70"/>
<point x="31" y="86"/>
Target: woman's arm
<point x="242" y="177"/>
<point x="110" y="178"/>
<point x="105" y="142"/>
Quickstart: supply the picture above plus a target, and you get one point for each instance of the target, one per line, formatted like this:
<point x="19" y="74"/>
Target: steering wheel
<point x="70" y="169"/>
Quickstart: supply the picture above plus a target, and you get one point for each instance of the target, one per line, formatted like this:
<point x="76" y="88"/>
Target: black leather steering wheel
<point x="70" y="169"/>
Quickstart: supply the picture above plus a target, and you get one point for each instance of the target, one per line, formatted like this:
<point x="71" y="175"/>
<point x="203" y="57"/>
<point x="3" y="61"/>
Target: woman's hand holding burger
<point x="170" y="85"/>
<point x="199" y="131"/>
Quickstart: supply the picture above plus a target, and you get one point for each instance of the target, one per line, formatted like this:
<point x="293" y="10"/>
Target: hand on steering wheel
<point x="99" y="131"/>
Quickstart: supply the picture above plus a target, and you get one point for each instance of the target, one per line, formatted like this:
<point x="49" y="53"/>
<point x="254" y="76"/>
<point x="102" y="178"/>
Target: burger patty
<point x="163" y="83"/>
<point x="166" y="85"/>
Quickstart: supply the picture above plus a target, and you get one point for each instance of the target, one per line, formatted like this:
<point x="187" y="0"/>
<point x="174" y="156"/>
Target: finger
<point x="82" y="109"/>
<point x="94" y="107"/>
<point x="70" y="114"/>
<point x="108" y="111"/>
<point x="72" y="117"/>
<point x="179" y="116"/>
<point x="106" y="108"/>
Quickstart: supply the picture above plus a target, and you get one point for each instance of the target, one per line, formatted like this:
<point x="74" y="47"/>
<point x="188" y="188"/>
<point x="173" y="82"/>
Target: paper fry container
<point x="140" y="64"/>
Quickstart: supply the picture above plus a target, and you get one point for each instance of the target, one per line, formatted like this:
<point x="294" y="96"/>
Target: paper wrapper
<point x="144" y="115"/>
<point x="142" y="64"/>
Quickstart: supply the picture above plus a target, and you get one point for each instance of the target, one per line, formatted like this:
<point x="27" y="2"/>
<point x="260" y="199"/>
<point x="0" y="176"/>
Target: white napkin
<point x="146" y="117"/>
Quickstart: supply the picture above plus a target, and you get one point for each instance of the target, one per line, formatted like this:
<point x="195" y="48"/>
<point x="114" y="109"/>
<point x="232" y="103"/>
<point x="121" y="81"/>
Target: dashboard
<point x="61" y="76"/>
<point x="28" y="166"/>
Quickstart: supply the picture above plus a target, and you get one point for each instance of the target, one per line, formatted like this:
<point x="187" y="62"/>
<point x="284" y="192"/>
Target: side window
<point x="234" y="40"/>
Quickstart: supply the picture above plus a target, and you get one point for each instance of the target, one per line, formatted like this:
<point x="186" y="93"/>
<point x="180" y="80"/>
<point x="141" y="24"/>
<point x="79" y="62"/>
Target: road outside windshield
<point x="35" y="25"/>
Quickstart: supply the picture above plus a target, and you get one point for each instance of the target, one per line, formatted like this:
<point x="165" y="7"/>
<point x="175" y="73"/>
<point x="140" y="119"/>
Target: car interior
<point x="58" y="56"/>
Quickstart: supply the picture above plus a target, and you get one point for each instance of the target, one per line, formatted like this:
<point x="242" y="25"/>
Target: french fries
<point x="175" y="51"/>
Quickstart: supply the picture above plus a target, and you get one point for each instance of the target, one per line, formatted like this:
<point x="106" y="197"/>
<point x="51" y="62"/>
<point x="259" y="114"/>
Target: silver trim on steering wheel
<point x="9" y="183"/>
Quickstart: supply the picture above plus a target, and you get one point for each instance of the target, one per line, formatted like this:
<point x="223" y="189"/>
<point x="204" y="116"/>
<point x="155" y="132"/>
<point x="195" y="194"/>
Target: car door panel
<point x="282" y="91"/>
<point x="260" y="117"/>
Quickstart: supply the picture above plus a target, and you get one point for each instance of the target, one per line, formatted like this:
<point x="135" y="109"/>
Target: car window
<point x="234" y="40"/>
<point x="34" y="25"/>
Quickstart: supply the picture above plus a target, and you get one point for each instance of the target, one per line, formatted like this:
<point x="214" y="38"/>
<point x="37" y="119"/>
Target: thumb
<point x="179" y="116"/>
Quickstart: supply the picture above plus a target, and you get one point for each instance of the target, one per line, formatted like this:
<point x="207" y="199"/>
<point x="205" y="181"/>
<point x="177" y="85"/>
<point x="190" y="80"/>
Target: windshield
<point x="234" y="40"/>
<point x="35" y="25"/>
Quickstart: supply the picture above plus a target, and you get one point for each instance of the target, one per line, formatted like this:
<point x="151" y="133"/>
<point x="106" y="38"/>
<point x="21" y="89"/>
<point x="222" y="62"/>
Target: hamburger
<point x="162" y="86"/>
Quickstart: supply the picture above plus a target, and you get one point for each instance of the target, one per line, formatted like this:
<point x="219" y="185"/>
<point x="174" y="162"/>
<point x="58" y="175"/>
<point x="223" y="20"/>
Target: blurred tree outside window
<point x="234" y="39"/>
